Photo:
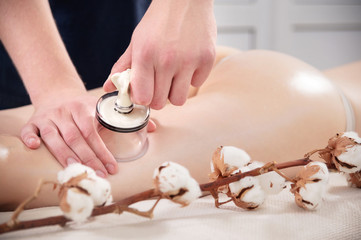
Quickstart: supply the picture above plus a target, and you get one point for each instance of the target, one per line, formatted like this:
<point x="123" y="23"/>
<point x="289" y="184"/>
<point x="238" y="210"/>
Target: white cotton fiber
<point x="174" y="181"/>
<point x="349" y="161"/>
<point x="311" y="185"/>
<point x="74" y="170"/>
<point x="192" y="194"/>
<point x="353" y="135"/>
<point x="78" y="206"/>
<point x="98" y="188"/>
<point x="254" y="195"/>
<point x="313" y="194"/>
<point x="322" y="174"/>
<point x="352" y="156"/>
<point x="234" y="156"/>
<point x="272" y="182"/>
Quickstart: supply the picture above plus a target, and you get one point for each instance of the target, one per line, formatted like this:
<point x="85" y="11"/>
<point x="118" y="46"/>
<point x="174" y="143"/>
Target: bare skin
<point x="347" y="78"/>
<point x="275" y="107"/>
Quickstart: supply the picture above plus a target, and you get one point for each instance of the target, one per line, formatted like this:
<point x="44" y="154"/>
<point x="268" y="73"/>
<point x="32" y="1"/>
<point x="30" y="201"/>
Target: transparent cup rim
<point x="104" y="123"/>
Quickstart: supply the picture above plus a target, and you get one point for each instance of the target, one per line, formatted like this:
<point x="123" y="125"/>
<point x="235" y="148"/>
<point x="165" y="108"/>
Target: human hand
<point x="65" y="123"/>
<point x="172" y="48"/>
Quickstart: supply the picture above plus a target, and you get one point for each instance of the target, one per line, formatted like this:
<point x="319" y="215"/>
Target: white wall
<point x="324" y="33"/>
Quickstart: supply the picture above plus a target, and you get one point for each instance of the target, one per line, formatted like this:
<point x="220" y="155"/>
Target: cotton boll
<point x="76" y="205"/>
<point x="312" y="195"/>
<point x="171" y="167"/>
<point x="272" y="182"/>
<point x="193" y="192"/>
<point x="310" y="186"/>
<point x="235" y="156"/>
<point x="98" y="188"/>
<point x="171" y="177"/>
<point x="322" y="174"/>
<point x="227" y="159"/>
<point x="353" y="135"/>
<point x="175" y="182"/>
<point x="235" y="185"/>
<point x="352" y="157"/>
<point x="256" y="195"/>
<point x="344" y="152"/>
<point x="247" y="193"/>
<point x="74" y="170"/>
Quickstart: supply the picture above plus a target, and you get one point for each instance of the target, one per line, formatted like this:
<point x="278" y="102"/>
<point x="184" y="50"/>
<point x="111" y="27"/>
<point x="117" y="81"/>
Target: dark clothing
<point x="95" y="33"/>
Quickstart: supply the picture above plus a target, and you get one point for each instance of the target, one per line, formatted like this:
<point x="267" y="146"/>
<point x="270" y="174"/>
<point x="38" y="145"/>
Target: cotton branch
<point x="123" y="205"/>
<point x="255" y="172"/>
<point x="117" y="207"/>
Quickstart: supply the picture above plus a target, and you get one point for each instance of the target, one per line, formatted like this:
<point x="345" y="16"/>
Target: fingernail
<point x="30" y="141"/>
<point x="110" y="168"/>
<point x="71" y="161"/>
<point x="100" y="173"/>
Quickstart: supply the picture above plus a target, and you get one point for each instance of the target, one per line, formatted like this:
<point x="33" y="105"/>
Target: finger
<point x="162" y="83"/>
<point x="123" y="63"/>
<point x="30" y="136"/>
<point x="89" y="132"/>
<point x="108" y="86"/>
<point x="202" y="73"/>
<point x="142" y="79"/>
<point x="200" y="76"/>
<point x="180" y="85"/>
<point x="55" y="143"/>
<point x="75" y="141"/>
<point x="152" y="126"/>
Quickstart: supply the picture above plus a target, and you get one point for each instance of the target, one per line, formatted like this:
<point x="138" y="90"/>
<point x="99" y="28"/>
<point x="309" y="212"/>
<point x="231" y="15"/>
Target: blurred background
<point x="323" y="33"/>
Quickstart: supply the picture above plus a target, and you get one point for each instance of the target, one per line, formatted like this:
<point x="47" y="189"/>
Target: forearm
<point x="29" y="33"/>
<point x="180" y="9"/>
<point x="177" y="14"/>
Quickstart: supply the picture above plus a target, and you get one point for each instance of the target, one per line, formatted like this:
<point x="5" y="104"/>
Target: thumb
<point x="123" y="63"/>
<point x="29" y="135"/>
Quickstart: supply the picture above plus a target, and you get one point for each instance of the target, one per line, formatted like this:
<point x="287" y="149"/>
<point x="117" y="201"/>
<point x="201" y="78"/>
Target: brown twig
<point x="20" y="208"/>
<point x="148" y="214"/>
<point x="61" y="220"/>
<point x="123" y="205"/>
<point x="254" y="172"/>
<point x="309" y="154"/>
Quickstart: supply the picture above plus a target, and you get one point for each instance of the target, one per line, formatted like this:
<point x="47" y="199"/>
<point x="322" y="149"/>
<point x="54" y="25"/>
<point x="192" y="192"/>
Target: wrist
<point x="184" y="4"/>
<point x="59" y="88"/>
